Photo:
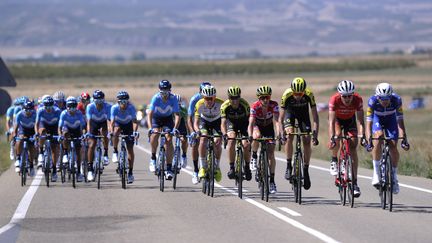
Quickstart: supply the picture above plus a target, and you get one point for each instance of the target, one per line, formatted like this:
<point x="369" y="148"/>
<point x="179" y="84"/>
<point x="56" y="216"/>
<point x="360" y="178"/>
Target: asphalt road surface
<point x="142" y="213"/>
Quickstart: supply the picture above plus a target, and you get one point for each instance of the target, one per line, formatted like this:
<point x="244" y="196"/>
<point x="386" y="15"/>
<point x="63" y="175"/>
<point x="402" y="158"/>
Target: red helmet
<point x="85" y="96"/>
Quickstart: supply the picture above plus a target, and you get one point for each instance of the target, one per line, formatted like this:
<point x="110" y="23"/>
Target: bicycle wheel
<point x="98" y="166"/>
<point x="294" y="178"/>
<point x="240" y="164"/>
<point x="261" y="176"/>
<point x="175" y="165"/>
<point x="72" y="164"/>
<point x="389" y="171"/>
<point x="266" y="176"/>
<point x="350" y="180"/>
<point x="383" y="183"/>
<point x="342" y="181"/>
<point x="212" y="173"/>
<point x="123" y="167"/>
<point x="300" y="178"/>
<point x="161" y="165"/>
<point x="46" y="167"/>
<point x="23" y="166"/>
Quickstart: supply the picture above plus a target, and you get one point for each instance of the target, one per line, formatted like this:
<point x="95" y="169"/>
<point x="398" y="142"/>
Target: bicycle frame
<point x="344" y="181"/>
<point x="123" y="164"/>
<point x="209" y="180"/>
<point x="263" y="168"/>
<point x="25" y="157"/>
<point x="97" y="160"/>
<point x="176" y="160"/>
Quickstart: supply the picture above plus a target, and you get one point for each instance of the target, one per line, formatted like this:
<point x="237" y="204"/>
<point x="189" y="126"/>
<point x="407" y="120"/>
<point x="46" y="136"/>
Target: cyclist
<point x="20" y="105"/>
<point x="97" y="115"/>
<point x="385" y="116"/>
<point x="60" y="100"/>
<point x="84" y="102"/>
<point x="190" y="124"/>
<point x="72" y="125"/>
<point x="183" y="130"/>
<point x="123" y="121"/>
<point x="264" y="114"/>
<point x="47" y="119"/>
<point x="24" y="128"/>
<point x="295" y="106"/>
<point x="345" y="110"/>
<point x="207" y="122"/>
<point x="162" y="107"/>
<point x="9" y="125"/>
<point x="235" y="112"/>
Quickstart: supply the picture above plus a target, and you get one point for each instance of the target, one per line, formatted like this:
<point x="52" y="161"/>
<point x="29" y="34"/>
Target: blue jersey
<point x="123" y="117"/>
<point x="162" y="108"/>
<point x="17" y="109"/>
<point x="10" y="114"/>
<point x="69" y="121"/>
<point x="392" y="111"/>
<point x="92" y="113"/>
<point x="25" y="122"/>
<point x="193" y="101"/>
<point x="48" y="118"/>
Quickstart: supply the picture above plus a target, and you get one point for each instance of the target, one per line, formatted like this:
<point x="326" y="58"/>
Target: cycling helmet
<point x="263" y="91"/>
<point x="98" y="95"/>
<point x="298" y="85"/>
<point x="345" y="87"/>
<point x="48" y="101"/>
<point x="208" y="91"/>
<point x="71" y="102"/>
<point x="59" y="96"/>
<point x="122" y="95"/>
<point x="28" y="105"/>
<point x="203" y="84"/>
<point x="383" y="90"/>
<point x="234" y="91"/>
<point x="164" y="85"/>
<point x="85" y="96"/>
<point x="16" y="101"/>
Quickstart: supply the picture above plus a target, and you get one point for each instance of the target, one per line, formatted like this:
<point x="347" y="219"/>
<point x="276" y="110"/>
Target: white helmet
<point x="345" y="87"/>
<point x="208" y="91"/>
<point x="383" y="90"/>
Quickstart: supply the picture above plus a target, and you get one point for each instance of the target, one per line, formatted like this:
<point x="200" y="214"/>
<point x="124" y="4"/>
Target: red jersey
<point x="264" y="116"/>
<point x="81" y="108"/>
<point x="345" y="112"/>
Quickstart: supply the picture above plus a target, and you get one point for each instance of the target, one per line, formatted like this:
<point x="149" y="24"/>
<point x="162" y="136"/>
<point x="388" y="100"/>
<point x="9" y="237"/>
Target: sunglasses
<point x="234" y="97"/>
<point x="99" y="101"/>
<point x="122" y="102"/>
<point x="346" y="96"/>
<point x="264" y="97"/>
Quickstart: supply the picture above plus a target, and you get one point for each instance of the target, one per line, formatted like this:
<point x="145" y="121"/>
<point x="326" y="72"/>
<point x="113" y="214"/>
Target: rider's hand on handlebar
<point x="370" y="145"/>
<point x="136" y="135"/>
<point x="315" y="141"/>
<point x="363" y="141"/>
<point x="404" y="144"/>
<point x="332" y="143"/>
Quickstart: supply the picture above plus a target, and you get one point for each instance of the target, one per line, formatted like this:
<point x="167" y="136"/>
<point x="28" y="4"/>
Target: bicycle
<point x="161" y="159"/>
<point x="209" y="178"/>
<point x="98" y="166"/>
<point x="344" y="179"/>
<point x="47" y="155"/>
<point x="263" y="169"/>
<point x="72" y="158"/>
<point x="298" y="164"/>
<point x="176" y="159"/>
<point x="239" y="162"/>
<point x="25" y="158"/>
<point x="123" y="164"/>
<point x="385" y="186"/>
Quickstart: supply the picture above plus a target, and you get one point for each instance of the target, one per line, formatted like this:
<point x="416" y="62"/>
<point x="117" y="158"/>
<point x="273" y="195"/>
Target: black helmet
<point x="98" y="94"/>
<point x="71" y="102"/>
<point x="164" y="85"/>
<point x="28" y="105"/>
<point x="48" y="101"/>
<point x="122" y="95"/>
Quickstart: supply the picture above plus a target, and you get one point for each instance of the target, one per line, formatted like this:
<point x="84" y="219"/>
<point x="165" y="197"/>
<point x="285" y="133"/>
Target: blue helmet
<point x="71" y="102"/>
<point x="203" y="84"/>
<point x="28" y="105"/>
<point x="122" y="95"/>
<point x="98" y="94"/>
<point x="16" y="101"/>
<point x="164" y="85"/>
<point x="48" y="101"/>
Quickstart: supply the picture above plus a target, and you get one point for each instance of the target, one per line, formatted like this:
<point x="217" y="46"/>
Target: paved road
<point x="143" y="213"/>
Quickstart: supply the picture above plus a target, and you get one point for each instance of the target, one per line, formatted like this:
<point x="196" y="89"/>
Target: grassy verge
<point x="415" y="162"/>
<point x="5" y="162"/>
<point x="44" y="71"/>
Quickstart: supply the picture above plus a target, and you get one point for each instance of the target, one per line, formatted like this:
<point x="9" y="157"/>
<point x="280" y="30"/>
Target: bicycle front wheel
<point x="161" y="165"/>
<point x="98" y="166"/>
<point x="175" y="165"/>
<point x="266" y="176"/>
<point x="350" y="177"/>
<point x="123" y="167"/>
<point x="390" y="184"/>
<point x="240" y="164"/>
<point x="212" y="173"/>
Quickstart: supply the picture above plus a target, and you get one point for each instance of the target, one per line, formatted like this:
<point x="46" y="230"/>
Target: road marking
<point x="366" y="177"/>
<point x="269" y="210"/>
<point x="291" y="212"/>
<point x="24" y="204"/>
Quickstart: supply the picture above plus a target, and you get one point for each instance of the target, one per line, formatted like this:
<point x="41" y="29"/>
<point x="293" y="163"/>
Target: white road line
<point x="366" y="177"/>
<point x="23" y="206"/>
<point x="291" y="212"/>
<point x="271" y="211"/>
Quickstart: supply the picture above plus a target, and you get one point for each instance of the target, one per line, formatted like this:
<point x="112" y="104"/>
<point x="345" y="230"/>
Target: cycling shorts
<point x="302" y="119"/>
<point x="96" y="126"/>
<point x="210" y="128"/>
<point x="166" y="123"/>
<point x="182" y="127"/>
<point x="238" y="126"/>
<point x="348" y="126"/>
<point x="266" y="131"/>
<point x="390" y="126"/>
<point x="126" y="129"/>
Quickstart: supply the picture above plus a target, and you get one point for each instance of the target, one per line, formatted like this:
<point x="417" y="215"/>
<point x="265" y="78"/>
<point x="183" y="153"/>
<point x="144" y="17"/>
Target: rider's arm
<point x="149" y="119"/>
<point x="176" y="120"/>
<point x="15" y="126"/>
<point x="281" y="118"/>
<point x="401" y="125"/>
<point x="332" y="120"/>
<point x="251" y="125"/>
<point x="196" y="123"/>
<point x="223" y="125"/>
<point x="315" y="119"/>
<point x="360" y="119"/>
<point x="37" y="122"/>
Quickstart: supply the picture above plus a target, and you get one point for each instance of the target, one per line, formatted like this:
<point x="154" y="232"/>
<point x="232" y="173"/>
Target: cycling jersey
<point x="385" y="116"/>
<point x="209" y="114"/>
<point x="242" y="113"/>
<point x="25" y="123"/>
<point x="71" y="122"/>
<point x="192" y="104"/>
<point x="17" y="109"/>
<point x="290" y="104"/>
<point x="43" y="117"/>
<point x="93" y="114"/>
<point x="123" y="117"/>
<point x="343" y="111"/>
<point x="163" y="108"/>
<point x="81" y="108"/>
<point x="9" y="115"/>
<point x="264" y="116"/>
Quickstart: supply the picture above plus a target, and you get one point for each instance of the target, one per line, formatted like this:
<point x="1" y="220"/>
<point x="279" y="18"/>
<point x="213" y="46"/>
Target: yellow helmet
<point x="263" y="91"/>
<point x="234" y="91"/>
<point x="298" y="84"/>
